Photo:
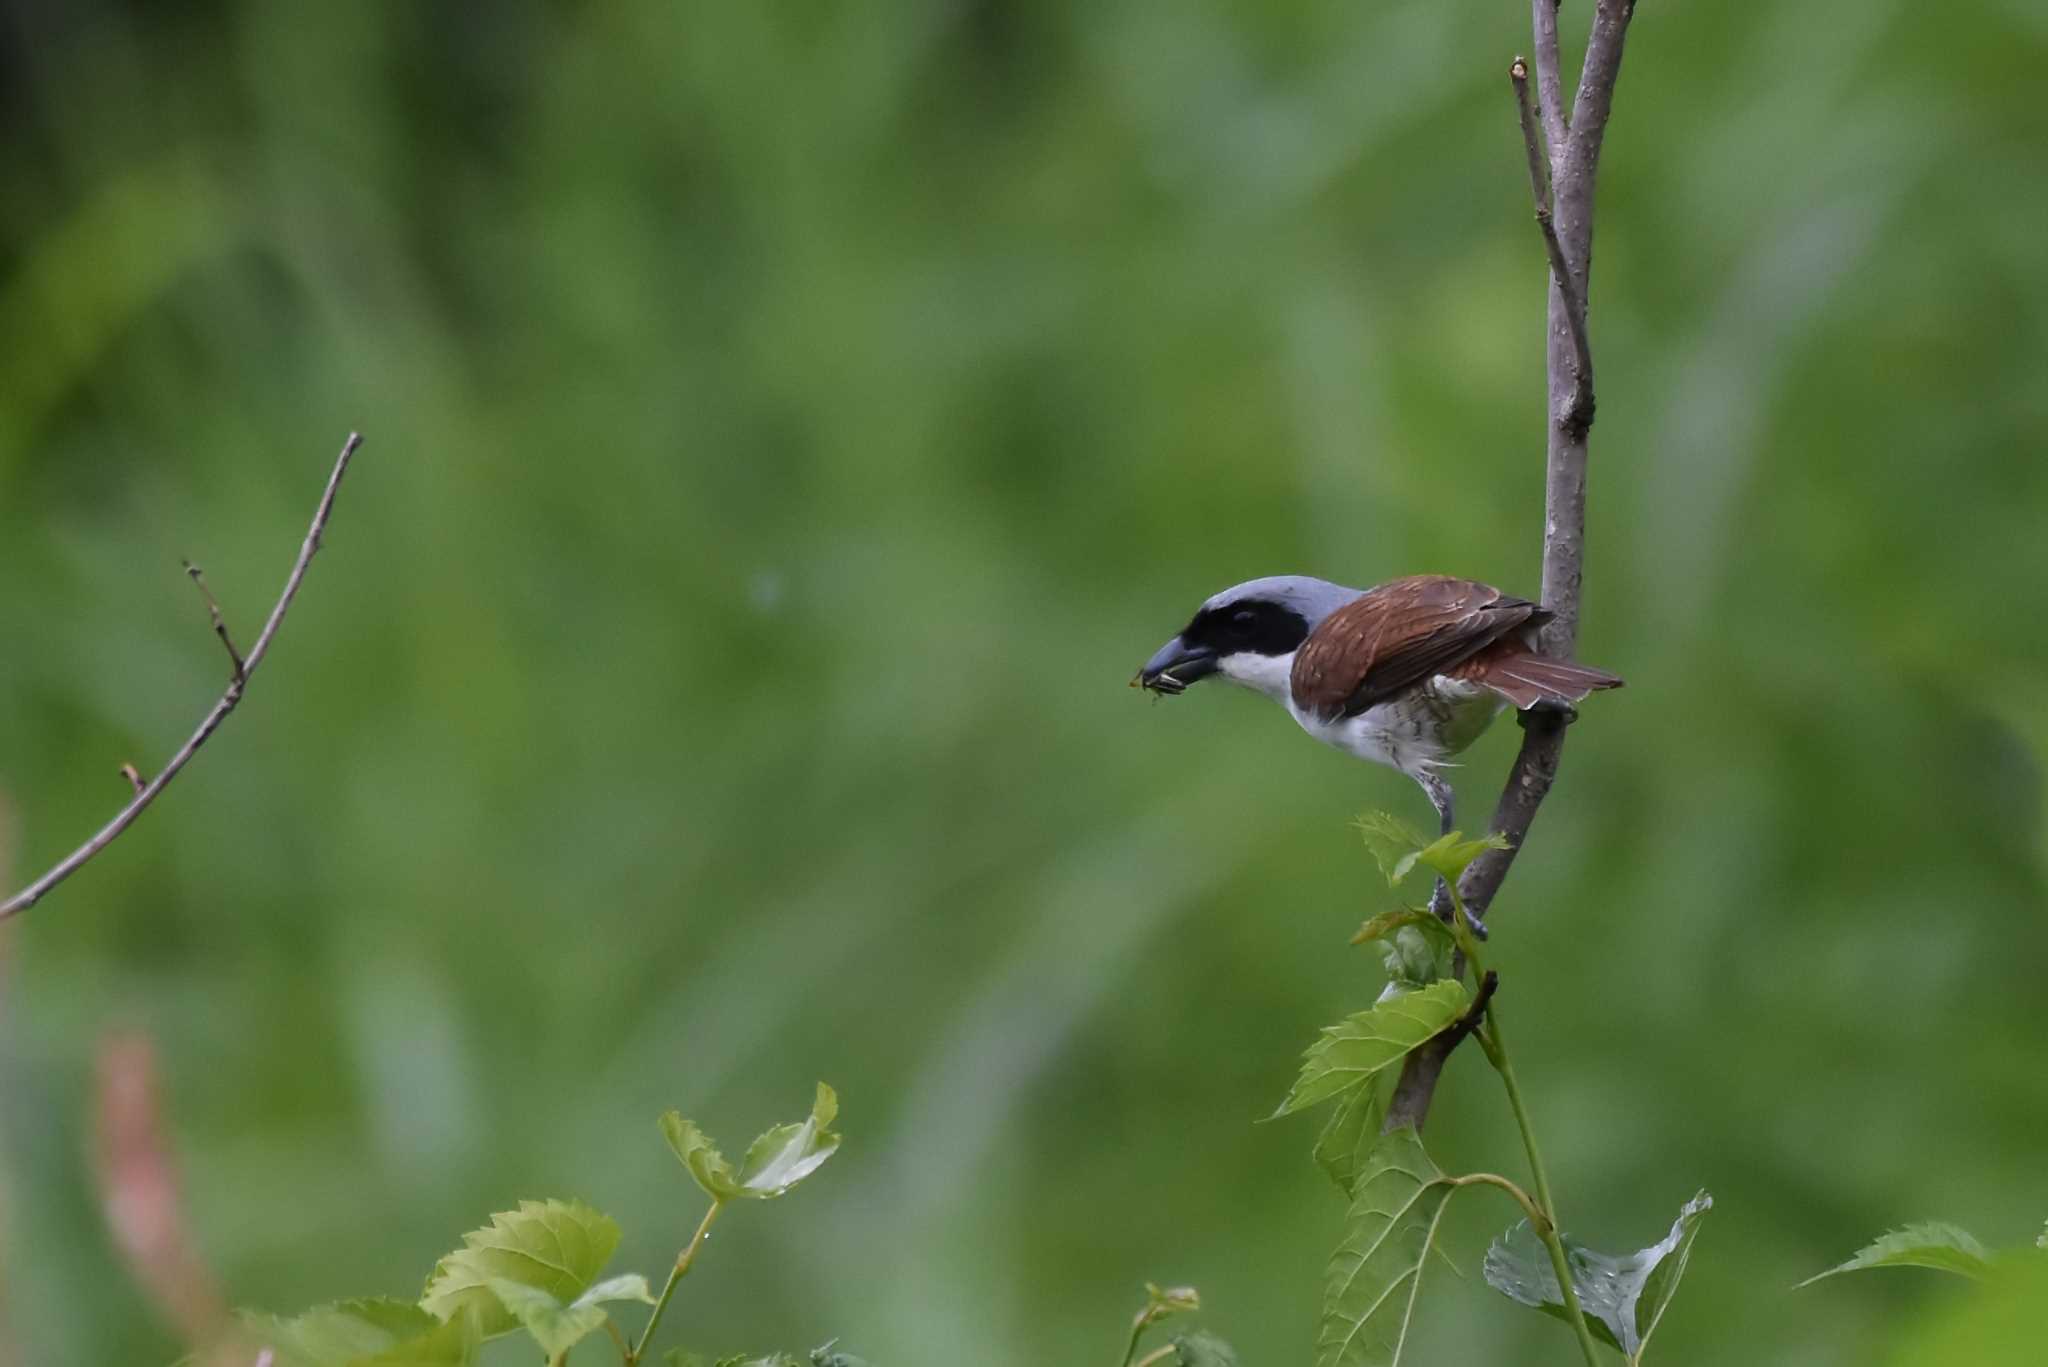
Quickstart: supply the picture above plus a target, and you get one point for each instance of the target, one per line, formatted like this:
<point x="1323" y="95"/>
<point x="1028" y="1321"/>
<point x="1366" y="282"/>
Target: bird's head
<point x="1247" y="633"/>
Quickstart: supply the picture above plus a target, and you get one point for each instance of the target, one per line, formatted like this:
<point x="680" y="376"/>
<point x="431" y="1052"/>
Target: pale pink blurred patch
<point x="140" y="1197"/>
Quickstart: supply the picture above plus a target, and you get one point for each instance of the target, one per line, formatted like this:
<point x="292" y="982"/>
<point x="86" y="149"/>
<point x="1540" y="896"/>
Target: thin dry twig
<point x="1575" y="139"/>
<point x="220" y="627"/>
<point x="134" y="777"/>
<point x="106" y="835"/>
<point x="1579" y="406"/>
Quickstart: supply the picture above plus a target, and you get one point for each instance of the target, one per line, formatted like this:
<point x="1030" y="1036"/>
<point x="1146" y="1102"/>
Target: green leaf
<point x="1933" y="1244"/>
<point x="1348" y="1137"/>
<point x="1357" y="1048"/>
<point x="1200" y="1348"/>
<point x="2042" y="1242"/>
<point x="1450" y="855"/>
<point x="694" y="1149"/>
<point x="1370" y="1287"/>
<point x="1993" y="1324"/>
<point x="554" y="1246"/>
<point x="554" y="1326"/>
<point x="630" y="1287"/>
<point x="1387" y="922"/>
<point x="787" y="1154"/>
<point x="1393" y="842"/>
<point x="1418" y="954"/>
<point x="824" y="1356"/>
<point x="1623" y="1297"/>
<point x="364" y="1333"/>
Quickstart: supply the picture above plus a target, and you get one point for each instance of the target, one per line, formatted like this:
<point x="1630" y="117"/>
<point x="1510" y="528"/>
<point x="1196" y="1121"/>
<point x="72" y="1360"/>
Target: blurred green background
<point x="788" y="425"/>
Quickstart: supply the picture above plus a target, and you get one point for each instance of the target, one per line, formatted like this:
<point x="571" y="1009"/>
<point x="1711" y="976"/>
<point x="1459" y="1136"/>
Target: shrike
<point x="1407" y="674"/>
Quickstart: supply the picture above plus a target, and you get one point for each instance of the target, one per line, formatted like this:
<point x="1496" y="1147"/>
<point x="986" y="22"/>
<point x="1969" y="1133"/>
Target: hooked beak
<point x="1174" y="667"/>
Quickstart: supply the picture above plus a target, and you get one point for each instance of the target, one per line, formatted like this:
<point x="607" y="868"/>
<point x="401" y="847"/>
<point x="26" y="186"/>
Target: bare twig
<point x="1574" y="164"/>
<point x="1579" y="406"/>
<point x="134" y="777"/>
<point x="106" y="835"/>
<point x="220" y="627"/>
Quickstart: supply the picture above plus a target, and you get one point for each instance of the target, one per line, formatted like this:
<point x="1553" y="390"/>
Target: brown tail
<point x="1528" y="680"/>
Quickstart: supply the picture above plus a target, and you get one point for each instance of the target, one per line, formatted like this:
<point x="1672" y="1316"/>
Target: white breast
<point x="1417" y="732"/>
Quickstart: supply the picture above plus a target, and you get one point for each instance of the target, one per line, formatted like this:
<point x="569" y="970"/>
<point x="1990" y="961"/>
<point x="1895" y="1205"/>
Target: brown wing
<point x="1397" y="636"/>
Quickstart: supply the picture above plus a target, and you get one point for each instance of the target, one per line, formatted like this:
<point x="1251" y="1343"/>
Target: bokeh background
<point x="788" y="425"/>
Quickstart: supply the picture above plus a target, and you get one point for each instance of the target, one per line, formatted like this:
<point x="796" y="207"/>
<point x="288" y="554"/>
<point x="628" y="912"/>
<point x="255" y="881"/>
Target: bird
<point x="1407" y="674"/>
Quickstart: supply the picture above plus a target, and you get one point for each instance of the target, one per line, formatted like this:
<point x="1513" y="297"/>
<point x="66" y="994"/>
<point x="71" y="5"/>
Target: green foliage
<point x="1933" y="1244"/>
<point x="1417" y="954"/>
<point x="777" y="1160"/>
<point x="1995" y="1323"/>
<point x="364" y="1333"/>
<point x="1393" y="842"/>
<point x="787" y="1154"/>
<point x="1371" y="1284"/>
<point x="554" y="1247"/>
<point x="1399" y="847"/>
<point x="1355" y="1050"/>
<point x="694" y="1149"/>
<point x="555" y="1327"/>
<point x="1191" y="1348"/>
<point x="1350" y="1134"/>
<point x="1624" y="1297"/>
<point x="536" y="1268"/>
<point x="1387" y="922"/>
<point x="1200" y="1348"/>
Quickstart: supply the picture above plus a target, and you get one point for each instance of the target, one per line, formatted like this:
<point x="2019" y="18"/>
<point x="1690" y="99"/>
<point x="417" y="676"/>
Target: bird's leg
<point x="1441" y="798"/>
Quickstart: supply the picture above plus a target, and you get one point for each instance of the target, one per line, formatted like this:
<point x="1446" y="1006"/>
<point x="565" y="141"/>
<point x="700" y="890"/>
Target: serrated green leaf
<point x="1449" y="856"/>
<point x="629" y="1287"/>
<point x="1357" y="1048"/>
<point x="1369" y="1290"/>
<point x="695" y="1151"/>
<point x="1349" y="1135"/>
<point x="360" y="1333"/>
<point x="1201" y="1348"/>
<point x="1393" y="842"/>
<point x="554" y="1246"/>
<point x="1417" y="954"/>
<point x="1931" y="1244"/>
<point x="787" y="1154"/>
<point x="1623" y="1297"/>
<point x="554" y="1326"/>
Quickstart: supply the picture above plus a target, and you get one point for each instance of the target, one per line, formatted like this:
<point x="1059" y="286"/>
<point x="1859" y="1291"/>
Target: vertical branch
<point x="1549" y="80"/>
<point x="1573" y="158"/>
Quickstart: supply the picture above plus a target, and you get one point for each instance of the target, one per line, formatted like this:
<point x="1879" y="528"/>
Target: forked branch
<point x="244" y="669"/>
<point x="1569" y="151"/>
<point x="1578" y="408"/>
